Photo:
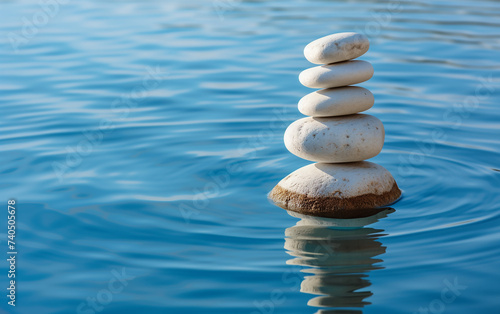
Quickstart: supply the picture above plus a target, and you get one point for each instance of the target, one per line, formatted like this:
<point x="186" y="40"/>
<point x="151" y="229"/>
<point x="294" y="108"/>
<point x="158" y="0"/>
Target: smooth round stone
<point x="337" y="74"/>
<point x="336" y="48"/>
<point x="336" y="101"/>
<point x="336" y="190"/>
<point x="337" y="139"/>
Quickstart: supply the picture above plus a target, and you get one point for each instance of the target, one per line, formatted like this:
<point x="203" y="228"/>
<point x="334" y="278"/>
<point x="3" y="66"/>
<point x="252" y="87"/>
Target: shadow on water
<point x="338" y="255"/>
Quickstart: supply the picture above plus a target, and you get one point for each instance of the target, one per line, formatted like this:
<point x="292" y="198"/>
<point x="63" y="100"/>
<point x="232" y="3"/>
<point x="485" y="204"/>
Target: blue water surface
<point x="140" y="139"/>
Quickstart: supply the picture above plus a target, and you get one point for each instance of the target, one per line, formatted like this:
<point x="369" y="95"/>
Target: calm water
<point x="140" y="139"/>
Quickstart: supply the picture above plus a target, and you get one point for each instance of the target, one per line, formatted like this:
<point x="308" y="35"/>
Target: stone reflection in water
<point x="338" y="255"/>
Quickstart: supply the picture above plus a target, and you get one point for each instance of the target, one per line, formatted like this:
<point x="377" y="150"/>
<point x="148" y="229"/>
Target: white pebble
<point x="337" y="139"/>
<point x="336" y="101"/>
<point x="337" y="74"/>
<point x="336" y="48"/>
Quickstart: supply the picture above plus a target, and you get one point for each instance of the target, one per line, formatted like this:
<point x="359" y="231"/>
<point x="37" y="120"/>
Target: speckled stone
<point x="336" y="139"/>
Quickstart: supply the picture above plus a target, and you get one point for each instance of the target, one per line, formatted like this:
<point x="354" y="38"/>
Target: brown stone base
<point x="334" y="207"/>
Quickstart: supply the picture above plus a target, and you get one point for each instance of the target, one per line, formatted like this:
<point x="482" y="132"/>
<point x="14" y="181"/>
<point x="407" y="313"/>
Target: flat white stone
<point x="336" y="101"/>
<point x="336" y="139"/>
<point x="339" y="180"/>
<point x="336" y="48"/>
<point x="337" y="74"/>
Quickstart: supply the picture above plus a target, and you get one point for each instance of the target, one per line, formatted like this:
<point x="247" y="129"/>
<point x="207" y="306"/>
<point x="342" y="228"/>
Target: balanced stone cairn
<point x="336" y="136"/>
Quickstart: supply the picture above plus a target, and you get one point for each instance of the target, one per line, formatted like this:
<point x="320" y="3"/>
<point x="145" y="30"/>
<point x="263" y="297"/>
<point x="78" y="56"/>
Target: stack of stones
<point x="336" y="136"/>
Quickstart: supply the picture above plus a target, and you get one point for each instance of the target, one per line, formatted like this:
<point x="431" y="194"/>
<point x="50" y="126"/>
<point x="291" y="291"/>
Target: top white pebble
<point x="336" y="48"/>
